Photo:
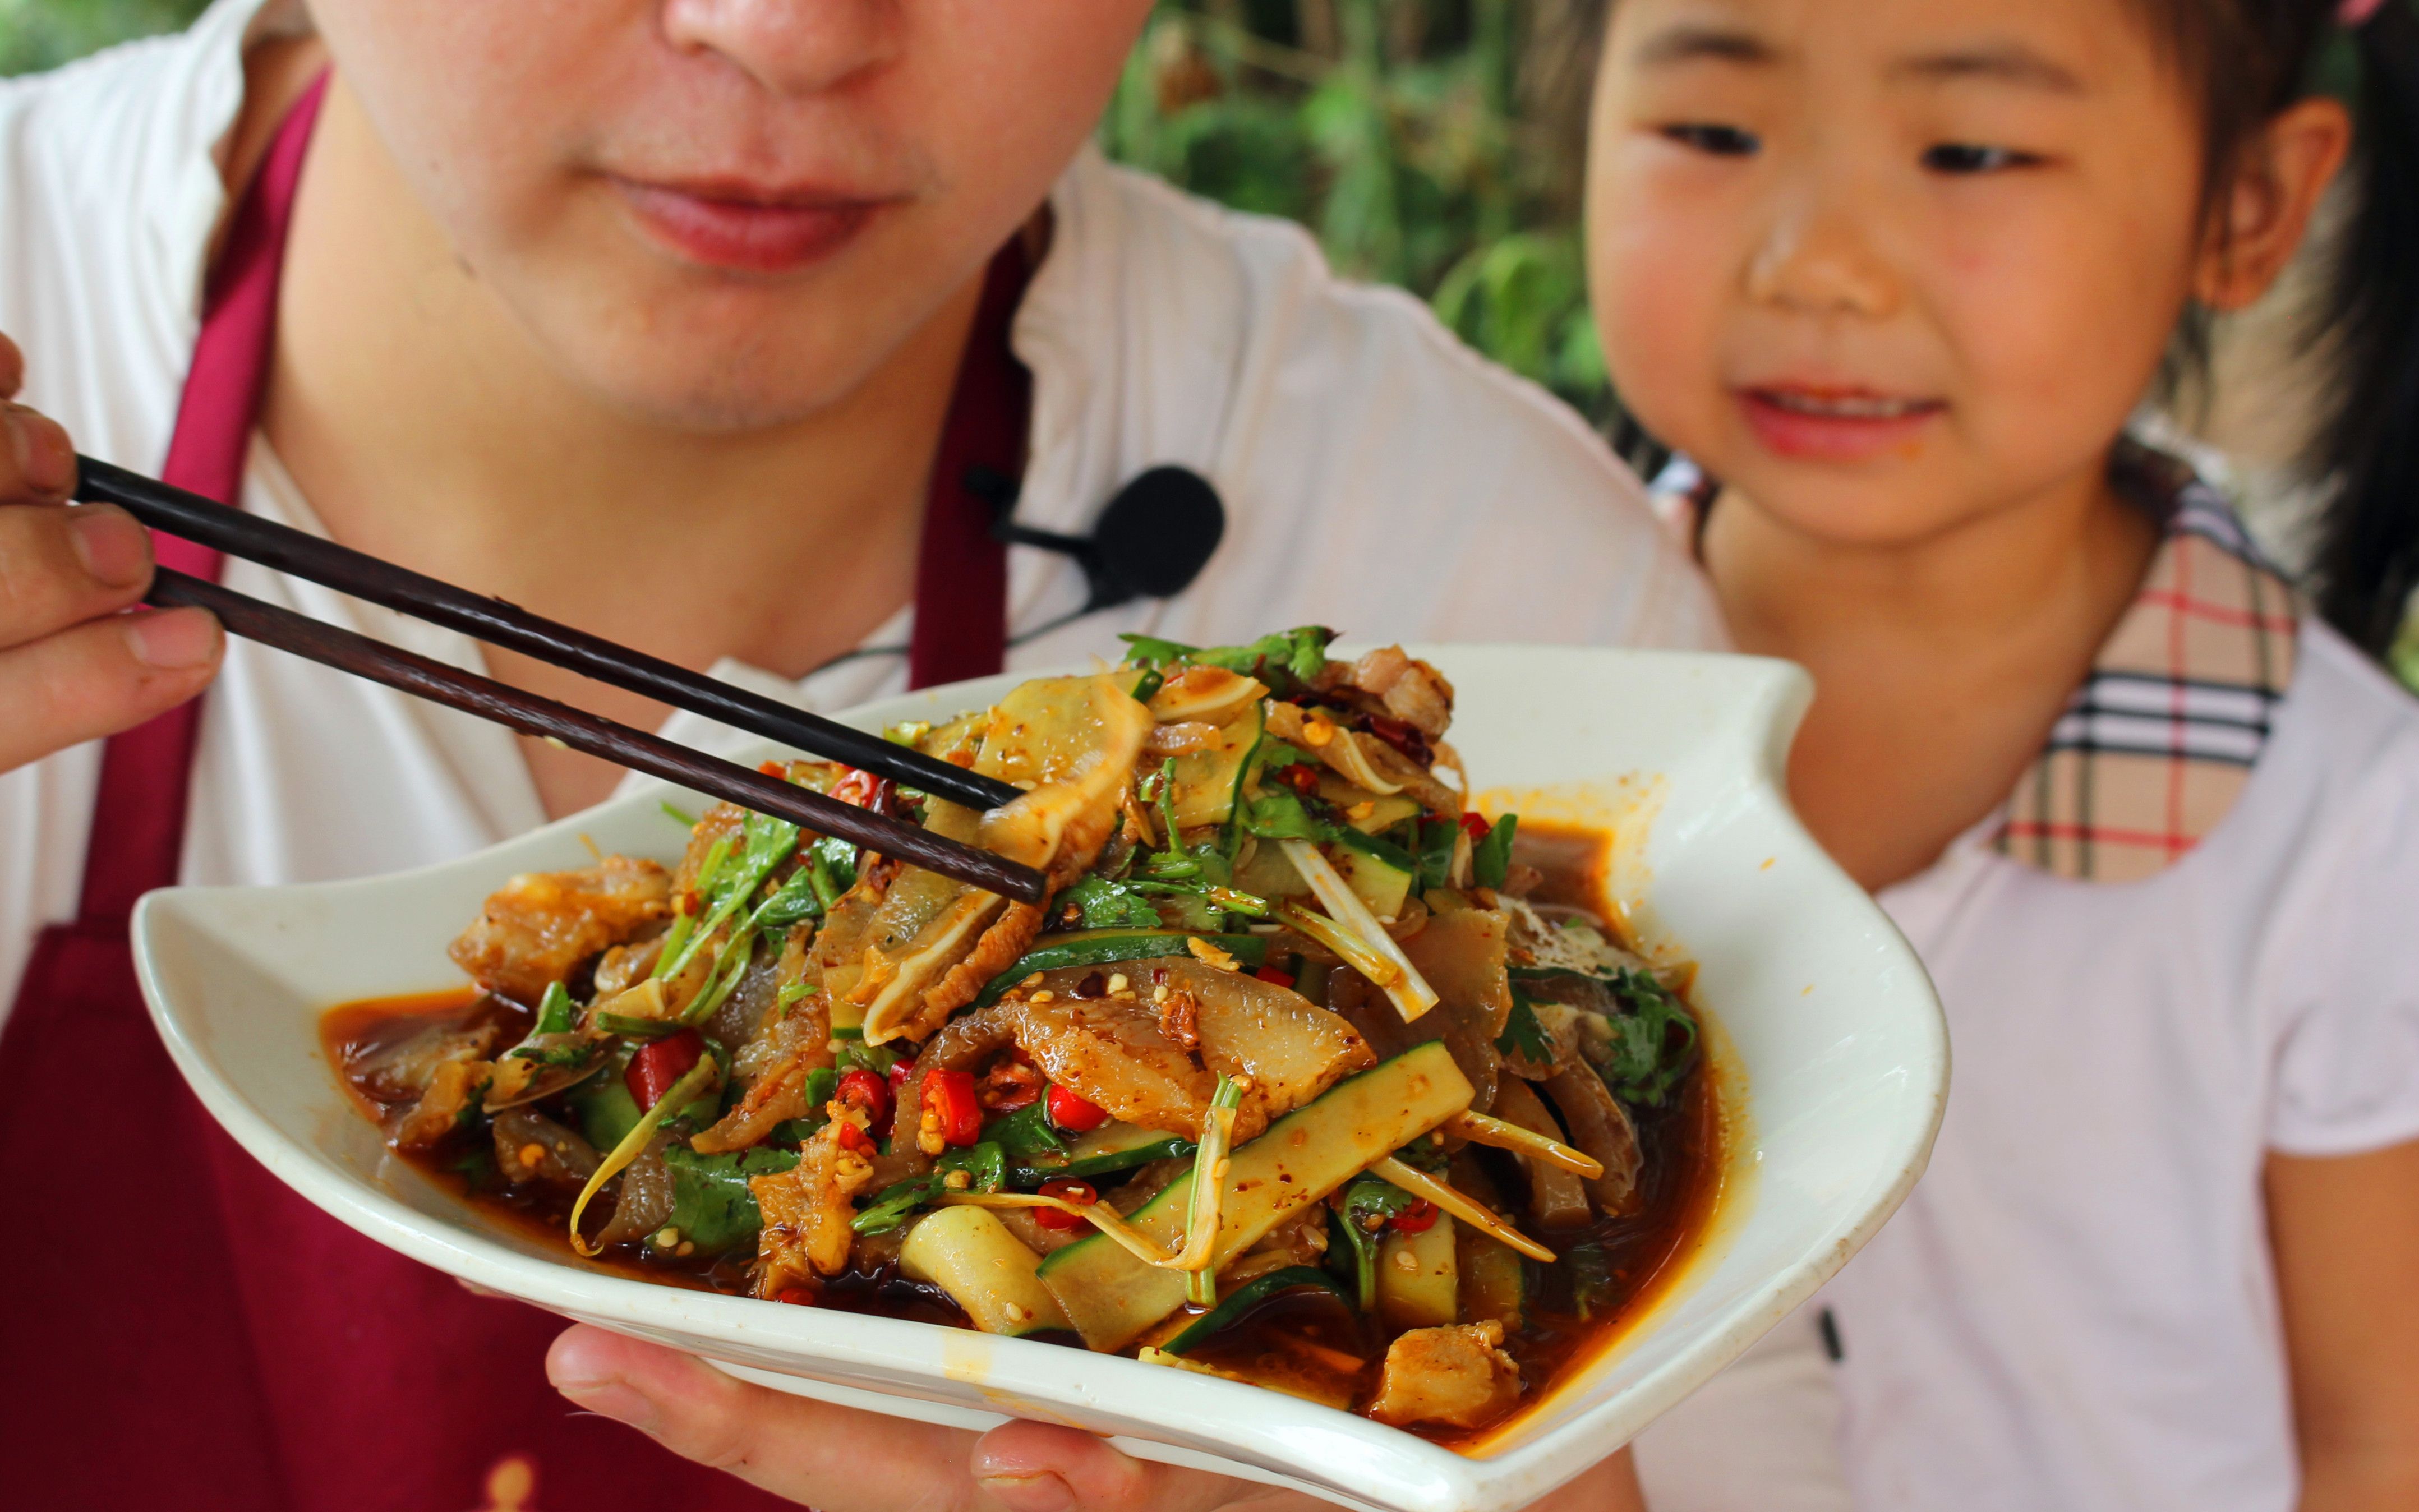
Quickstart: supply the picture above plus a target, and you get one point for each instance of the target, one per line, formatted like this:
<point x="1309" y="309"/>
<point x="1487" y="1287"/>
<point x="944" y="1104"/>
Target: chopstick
<point x="210" y="524"/>
<point x="581" y="731"/>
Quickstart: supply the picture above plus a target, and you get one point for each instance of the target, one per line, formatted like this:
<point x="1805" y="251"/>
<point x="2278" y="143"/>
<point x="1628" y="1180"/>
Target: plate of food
<point x="1428" y="1065"/>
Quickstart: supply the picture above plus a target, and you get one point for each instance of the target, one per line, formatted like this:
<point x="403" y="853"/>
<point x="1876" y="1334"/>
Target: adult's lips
<point x="1834" y="423"/>
<point x="749" y="228"/>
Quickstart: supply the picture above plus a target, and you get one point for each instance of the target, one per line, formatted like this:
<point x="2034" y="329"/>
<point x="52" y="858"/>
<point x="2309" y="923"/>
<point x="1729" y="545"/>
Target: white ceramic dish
<point x="1830" y="1034"/>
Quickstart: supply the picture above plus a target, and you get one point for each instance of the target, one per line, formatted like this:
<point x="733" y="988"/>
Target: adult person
<point x="678" y="319"/>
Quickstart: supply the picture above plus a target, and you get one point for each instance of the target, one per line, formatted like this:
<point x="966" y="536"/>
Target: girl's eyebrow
<point x="1999" y="62"/>
<point x="1694" y="42"/>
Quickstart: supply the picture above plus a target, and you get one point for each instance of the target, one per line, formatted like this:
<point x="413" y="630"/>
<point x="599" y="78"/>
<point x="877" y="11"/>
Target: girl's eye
<point x="1721" y="140"/>
<point x="1968" y="157"/>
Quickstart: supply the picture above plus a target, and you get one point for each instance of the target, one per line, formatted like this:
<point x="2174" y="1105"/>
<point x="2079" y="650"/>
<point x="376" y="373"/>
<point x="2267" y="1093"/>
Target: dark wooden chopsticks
<point x="498" y="623"/>
<point x="200" y="519"/>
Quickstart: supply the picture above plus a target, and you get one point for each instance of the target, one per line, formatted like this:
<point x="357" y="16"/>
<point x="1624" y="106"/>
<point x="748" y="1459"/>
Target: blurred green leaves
<point x="43" y="34"/>
<point x="1433" y="144"/>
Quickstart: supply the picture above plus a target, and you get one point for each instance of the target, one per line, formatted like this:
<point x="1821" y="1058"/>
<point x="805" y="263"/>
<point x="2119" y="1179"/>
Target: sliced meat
<point x="530" y="1147"/>
<point x="456" y="1093"/>
<point x="642" y="1200"/>
<point x="538" y="925"/>
<point x="1458" y="1375"/>
<point x="1463" y="954"/>
<point x="806" y="1212"/>
<point x="1000" y="947"/>
<point x="1557" y="1199"/>
<point x="1600" y="1127"/>
<point x="1109" y="1052"/>
<point x="1404" y="688"/>
<point x="1290" y="1047"/>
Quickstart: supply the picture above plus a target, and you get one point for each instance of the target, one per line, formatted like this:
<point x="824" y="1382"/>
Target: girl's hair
<point x="2249" y="59"/>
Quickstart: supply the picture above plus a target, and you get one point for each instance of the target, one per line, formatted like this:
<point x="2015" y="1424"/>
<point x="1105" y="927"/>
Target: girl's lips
<point x="1834" y="425"/>
<point x="751" y="232"/>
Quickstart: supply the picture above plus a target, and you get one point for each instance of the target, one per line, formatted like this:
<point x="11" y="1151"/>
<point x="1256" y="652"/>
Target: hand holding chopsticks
<point x="236" y="534"/>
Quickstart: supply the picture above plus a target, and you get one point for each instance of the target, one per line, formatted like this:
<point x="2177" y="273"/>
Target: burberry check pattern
<point x="2158" y="741"/>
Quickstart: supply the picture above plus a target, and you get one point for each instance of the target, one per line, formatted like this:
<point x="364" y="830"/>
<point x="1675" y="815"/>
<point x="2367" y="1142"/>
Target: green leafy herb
<point x="1384" y="850"/>
<point x="890" y="1208"/>
<point x="1436" y="842"/>
<point x="856" y="1055"/>
<point x="1523" y="1036"/>
<point x="986" y="1164"/>
<point x="1147" y="686"/>
<point x="712" y="1205"/>
<point x="1653" y="1045"/>
<point x="1593" y="1283"/>
<point x="1368" y="1202"/>
<point x="1492" y="861"/>
<point x="555" y="1039"/>
<point x="1025" y="1131"/>
<point x="637" y="1029"/>
<point x="1284" y="661"/>
<point x="678" y="815"/>
<point x="1279" y="813"/>
<point x="1107" y="904"/>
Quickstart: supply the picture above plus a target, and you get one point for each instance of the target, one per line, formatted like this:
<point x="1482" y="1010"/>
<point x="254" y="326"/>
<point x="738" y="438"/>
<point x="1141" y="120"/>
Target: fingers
<point x="102" y="678"/>
<point x="1037" y="1467"/>
<point x="60" y="567"/>
<point x="811" y="1452"/>
<point x="12" y="368"/>
<point x="37" y="465"/>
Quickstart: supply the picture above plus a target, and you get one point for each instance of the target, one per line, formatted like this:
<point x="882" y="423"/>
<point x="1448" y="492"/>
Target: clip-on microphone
<point x="1153" y="537"/>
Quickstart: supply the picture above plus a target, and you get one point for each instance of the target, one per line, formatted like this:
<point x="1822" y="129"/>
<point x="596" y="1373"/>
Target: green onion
<point x="678" y="1096"/>
<point x="1492" y="861"/>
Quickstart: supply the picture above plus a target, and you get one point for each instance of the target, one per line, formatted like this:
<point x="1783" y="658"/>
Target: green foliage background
<point x="1434" y="144"/>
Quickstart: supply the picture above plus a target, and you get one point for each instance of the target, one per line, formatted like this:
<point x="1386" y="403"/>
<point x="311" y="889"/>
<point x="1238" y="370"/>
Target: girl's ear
<point x="2260" y="215"/>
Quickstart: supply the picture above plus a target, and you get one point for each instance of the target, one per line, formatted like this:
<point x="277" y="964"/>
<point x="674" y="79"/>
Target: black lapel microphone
<point x="1152" y="539"/>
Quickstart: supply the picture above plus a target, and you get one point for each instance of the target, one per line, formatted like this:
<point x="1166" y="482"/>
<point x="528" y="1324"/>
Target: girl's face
<point x="728" y="213"/>
<point x="1887" y="266"/>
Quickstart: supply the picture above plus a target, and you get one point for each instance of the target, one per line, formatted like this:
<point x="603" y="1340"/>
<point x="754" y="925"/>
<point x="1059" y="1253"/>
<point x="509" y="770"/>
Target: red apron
<point x="184" y="1332"/>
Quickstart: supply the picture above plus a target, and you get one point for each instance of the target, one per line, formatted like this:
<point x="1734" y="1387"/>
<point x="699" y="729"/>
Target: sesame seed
<point x="1045" y="996"/>
<point x="1404" y="1263"/>
<point x="1034" y="980"/>
<point x="686" y="1248"/>
<point x="667" y="1238"/>
<point x="1159" y="993"/>
<point x="1017" y="1313"/>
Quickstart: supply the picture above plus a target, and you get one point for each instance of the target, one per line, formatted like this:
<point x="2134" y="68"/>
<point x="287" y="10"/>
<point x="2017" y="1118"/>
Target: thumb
<point x="810" y="1452"/>
<point x="1039" y="1467"/>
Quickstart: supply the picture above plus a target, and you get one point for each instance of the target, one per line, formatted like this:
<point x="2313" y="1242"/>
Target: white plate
<point x="1831" y="1041"/>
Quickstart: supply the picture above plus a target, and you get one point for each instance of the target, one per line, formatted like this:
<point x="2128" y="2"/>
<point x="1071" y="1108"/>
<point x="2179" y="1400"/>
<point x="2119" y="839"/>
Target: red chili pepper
<point x="867" y="1092"/>
<point x="1067" y="1189"/>
<point x="950" y="1096"/>
<point x="1302" y="777"/>
<point x="1476" y="826"/>
<point x="855" y="787"/>
<point x="1271" y="973"/>
<point x="1073" y="1113"/>
<point x="797" y="1296"/>
<point x="773" y="769"/>
<point x="659" y="1063"/>
<point x="1416" y="1219"/>
<point x="850" y="1138"/>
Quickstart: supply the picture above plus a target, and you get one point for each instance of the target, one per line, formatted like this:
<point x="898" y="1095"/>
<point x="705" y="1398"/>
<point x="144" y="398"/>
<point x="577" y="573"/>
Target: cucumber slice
<point x="1209" y="782"/>
<point x="1248" y="1296"/>
<point x="1101" y="946"/>
<point x="1494" y="1283"/>
<point x="1111" y="1297"/>
<point x="1375" y="880"/>
<point x="1114" y="1147"/>
<point x="969" y="1254"/>
<point x="1424" y="1292"/>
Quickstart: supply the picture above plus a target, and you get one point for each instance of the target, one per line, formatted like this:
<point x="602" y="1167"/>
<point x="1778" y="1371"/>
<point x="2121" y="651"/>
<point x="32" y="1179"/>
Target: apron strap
<point x="138" y="828"/>
<point x="962" y="567"/>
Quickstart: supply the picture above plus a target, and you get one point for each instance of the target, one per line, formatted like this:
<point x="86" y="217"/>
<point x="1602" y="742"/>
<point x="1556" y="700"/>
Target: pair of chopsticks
<point x="234" y="533"/>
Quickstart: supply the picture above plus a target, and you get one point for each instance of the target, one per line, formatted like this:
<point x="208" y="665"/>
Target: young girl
<point x="1897" y="272"/>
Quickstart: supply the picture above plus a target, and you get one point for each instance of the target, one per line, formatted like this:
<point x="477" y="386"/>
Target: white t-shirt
<point x="1378" y="477"/>
<point x="2076" y="1310"/>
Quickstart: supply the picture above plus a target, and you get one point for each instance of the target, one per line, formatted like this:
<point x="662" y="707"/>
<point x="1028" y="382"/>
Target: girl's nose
<point x="1817" y="261"/>
<point x="790" y="47"/>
